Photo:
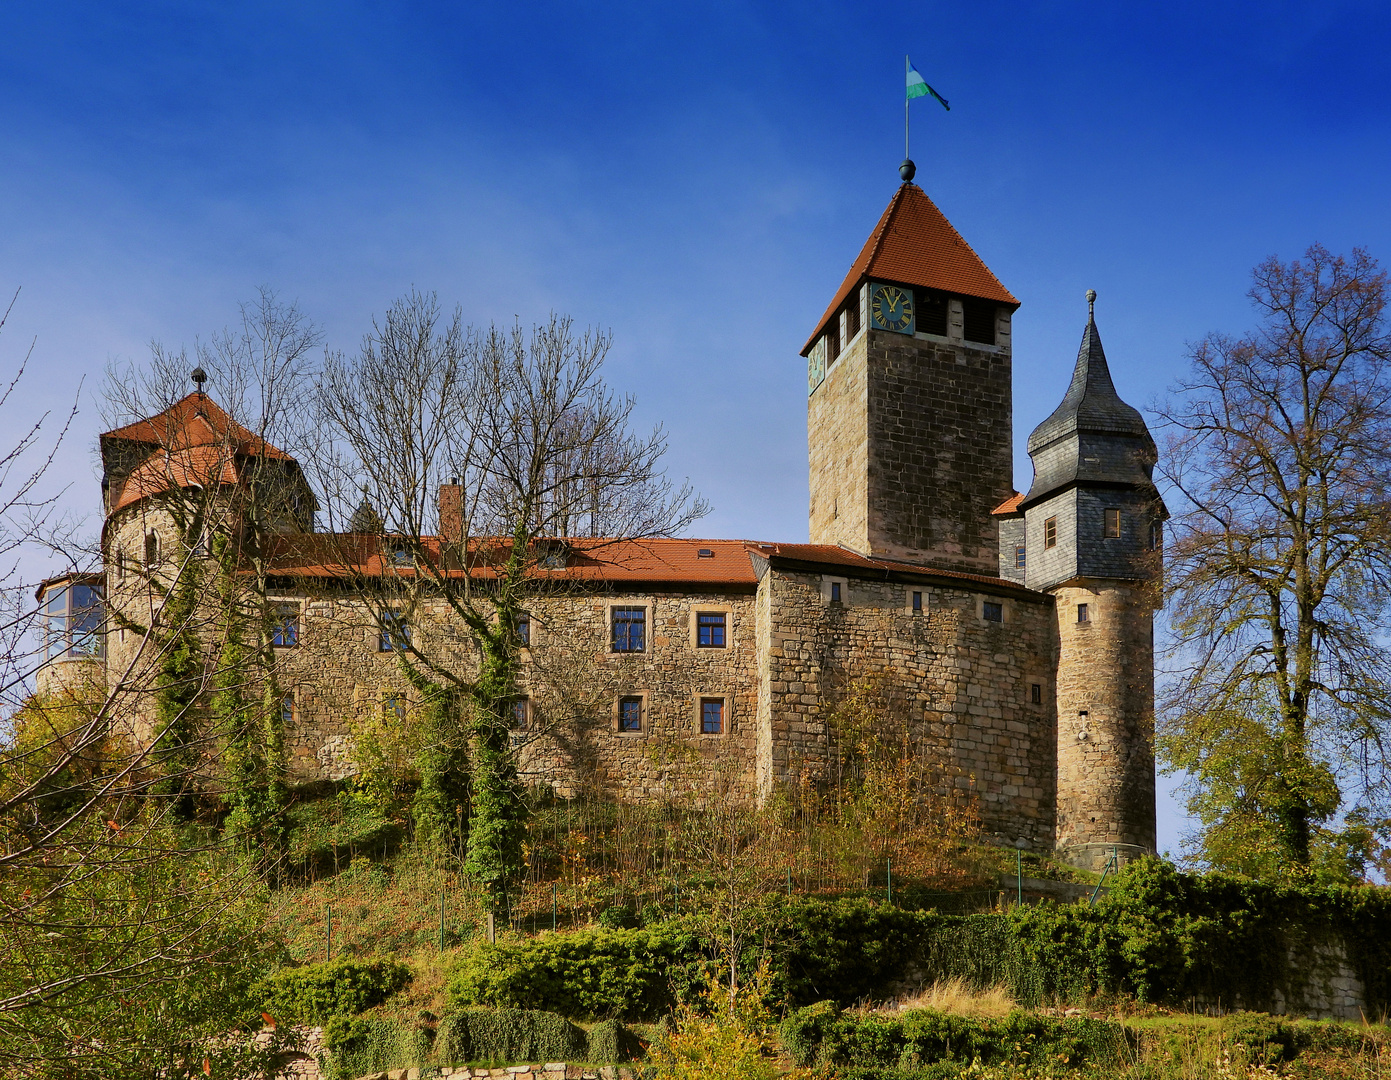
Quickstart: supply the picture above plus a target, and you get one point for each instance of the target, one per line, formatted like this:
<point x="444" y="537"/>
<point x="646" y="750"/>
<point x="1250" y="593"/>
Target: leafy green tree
<point x="1279" y="571"/>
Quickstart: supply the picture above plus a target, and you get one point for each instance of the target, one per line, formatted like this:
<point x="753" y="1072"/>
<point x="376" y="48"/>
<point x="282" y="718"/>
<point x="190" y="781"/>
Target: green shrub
<point x="315" y="993"/>
<point x="591" y="974"/>
<point x="1266" y="1040"/>
<point x="365" y="1044"/>
<point x="610" y="1043"/>
<point x="821" y="1035"/>
<point x="506" y="1035"/>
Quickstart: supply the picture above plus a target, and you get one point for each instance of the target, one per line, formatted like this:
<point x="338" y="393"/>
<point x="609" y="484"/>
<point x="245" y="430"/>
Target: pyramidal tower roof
<point x="915" y="244"/>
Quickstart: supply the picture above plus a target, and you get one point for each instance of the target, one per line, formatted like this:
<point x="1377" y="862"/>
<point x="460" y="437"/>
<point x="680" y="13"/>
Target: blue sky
<point x="696" y="178"/>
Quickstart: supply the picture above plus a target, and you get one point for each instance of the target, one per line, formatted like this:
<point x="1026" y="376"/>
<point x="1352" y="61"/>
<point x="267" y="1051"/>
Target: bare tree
<point x="1279" y="566"/>
<point x="532" y="450"/>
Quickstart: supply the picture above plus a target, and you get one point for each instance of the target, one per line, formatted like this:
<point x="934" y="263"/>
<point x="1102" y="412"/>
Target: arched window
<point x="151" y="548"/>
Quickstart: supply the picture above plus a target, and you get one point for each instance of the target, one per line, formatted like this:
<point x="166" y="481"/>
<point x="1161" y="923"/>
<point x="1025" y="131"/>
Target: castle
<point x="1015" y="630"/>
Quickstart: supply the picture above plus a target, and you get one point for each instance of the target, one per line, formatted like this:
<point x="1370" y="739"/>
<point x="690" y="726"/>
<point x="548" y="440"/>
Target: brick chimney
<point x="452" y="511"/>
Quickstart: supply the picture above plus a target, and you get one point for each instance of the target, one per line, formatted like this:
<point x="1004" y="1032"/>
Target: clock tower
<point x="909" y="412"/>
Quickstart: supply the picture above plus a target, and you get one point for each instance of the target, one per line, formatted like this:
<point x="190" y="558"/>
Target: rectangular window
<point x="395" y="632"/>
<point x="630" y="714"/>
<point x="394" y="707"/>
<point x="832" y="341"/>
<point x="1050" y="533"/>
<point x="287" y="709"/>
<point x="978" y="321"/>
<point x="1082" y="615"/>
<point x="1019" y="556"/>
<point x="524" y="629"/>
<point x="284" y="631"/>
<point x="931" y="313"/>
<point x="712" y="716"/>
<point x="1113" y="524"/>
<point x="993" y="612"/>
<point x="520" y="710"/>
<point x="1036" y="694"/>
<point x="710" y="629"/>
<point x="1156" y="535"/>
<point x="629" y="629"/>
<point x="917" y="602"/>
<point x="852" y="317"/>
<point x="835" y="592"/>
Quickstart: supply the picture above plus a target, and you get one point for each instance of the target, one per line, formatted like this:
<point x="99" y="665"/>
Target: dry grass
<point x="954" y="996"/>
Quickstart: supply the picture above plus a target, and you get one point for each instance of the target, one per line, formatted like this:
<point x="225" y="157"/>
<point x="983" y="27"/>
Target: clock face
<point x="891" y="308"/>
<point x="816" y="365"/>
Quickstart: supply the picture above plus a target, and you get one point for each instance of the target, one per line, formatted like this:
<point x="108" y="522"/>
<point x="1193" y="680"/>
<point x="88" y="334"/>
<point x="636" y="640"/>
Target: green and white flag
<point x="917" y="87"/>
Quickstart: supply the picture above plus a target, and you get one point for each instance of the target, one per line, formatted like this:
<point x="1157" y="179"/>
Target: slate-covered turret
<point x="1092" y="528"/>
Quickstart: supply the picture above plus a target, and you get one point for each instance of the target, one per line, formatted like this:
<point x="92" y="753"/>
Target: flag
<point x="917" y="87"/>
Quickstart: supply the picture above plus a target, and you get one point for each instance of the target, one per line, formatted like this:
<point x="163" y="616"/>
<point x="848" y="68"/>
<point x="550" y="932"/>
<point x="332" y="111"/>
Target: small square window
<point x="401" y="557"/>
<point x="1050" y="533"/>
<point x="835" y="592"/>
<point x="284" y="633"/>
<point x="1019" y="556"/>
<point x="629" y="630"/>
<point x="1113" y="523"/>
<point x="630" y="714"/>
<point x="917" y="602"/>
<point x="394" y="707"/>
<point x="712" y="716"/>
<point x="1082" y="614"/>
<point x="993" y="612"/>
<point x="287" y="709"/>
<point x="710" y="628"/>
<point x="524" y="629"/>
<point x="395" y="633"/>
<point x="1036" y="694"/>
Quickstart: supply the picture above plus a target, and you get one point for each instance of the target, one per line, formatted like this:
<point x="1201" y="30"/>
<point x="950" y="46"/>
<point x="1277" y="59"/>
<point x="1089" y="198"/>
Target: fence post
<point x="328" y="931"/>
<point x="492" y="928"/>
<point x="441" y="917"/>
<point x="789" y="881"/>
<point x="555" y="905"/>
<point x="889" y="877"/>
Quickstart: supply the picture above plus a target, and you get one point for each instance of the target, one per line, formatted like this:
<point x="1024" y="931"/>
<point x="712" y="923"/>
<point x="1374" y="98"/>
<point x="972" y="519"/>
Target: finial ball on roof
<point x="907" y="170"/>
<point x="199" y="377"/>
<point x="1091" y="302"/>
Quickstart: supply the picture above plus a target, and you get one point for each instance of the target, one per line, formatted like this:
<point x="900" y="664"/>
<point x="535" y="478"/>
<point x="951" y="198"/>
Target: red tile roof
<point x="1010" y="505"/>
<point x="196" y="420"/>
<point x="914" y="244"/>
<point x="203" y="466"/>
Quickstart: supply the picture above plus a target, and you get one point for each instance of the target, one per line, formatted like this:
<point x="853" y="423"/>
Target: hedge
<point x="509" y="1035"/>
<point x="822" y="1035"/>
<point x="315" y="993"/>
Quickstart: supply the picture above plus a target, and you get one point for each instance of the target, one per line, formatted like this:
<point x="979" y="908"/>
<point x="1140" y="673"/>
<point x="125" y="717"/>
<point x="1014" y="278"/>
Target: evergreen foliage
<point x="505" y="1035"/>
<point x="178" y="684"/>
<point x="315" y="993"/>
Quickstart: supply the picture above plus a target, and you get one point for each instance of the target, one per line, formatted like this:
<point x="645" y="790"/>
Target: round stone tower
<point x="1092" y="531"/>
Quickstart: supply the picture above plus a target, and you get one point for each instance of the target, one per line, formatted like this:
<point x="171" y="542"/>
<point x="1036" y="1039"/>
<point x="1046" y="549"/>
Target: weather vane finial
<point x="199" y="377"/>
<point x="1091" y="304"/>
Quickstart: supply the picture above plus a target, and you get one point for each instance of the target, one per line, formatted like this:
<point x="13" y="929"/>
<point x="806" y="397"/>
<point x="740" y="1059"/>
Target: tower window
<point x="917" y="602"/>
<point x="1050" y="533"/>
<point x="151" y="548"/>
<point x="630" y="714"/>
<point x="1082" y="614"/>
<point x="629" y="630"/>
<point x="1113" y="523"/>
<point x="710" y="627"/>
<point x="1019" y="556"/>
<point x="932" y="313"/>
<point x="835" y="592"/>
<point x="993" y="612"/>
<point x="712" y="716"/>
<point x="1036" y="694"/>
<point x="852" y="317"/>
<point x="1156" y="535"/>
<point x="978" y="321"/>
<point x="833" y="341"/>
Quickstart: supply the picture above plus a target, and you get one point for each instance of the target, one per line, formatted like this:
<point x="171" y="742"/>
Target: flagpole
<point x="906" y="65"/>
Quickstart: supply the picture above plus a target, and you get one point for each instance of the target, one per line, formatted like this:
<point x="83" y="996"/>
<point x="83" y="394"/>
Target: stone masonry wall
<point x="940" y="419"/>
<point x="339" y="678"/>
<point x="838" y="451"/>
<point x="966" y="683"/>
<point x="1105" y="721"/>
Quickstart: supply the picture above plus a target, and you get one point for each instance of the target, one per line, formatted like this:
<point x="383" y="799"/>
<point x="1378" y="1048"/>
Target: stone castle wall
<point x="1105" y="720"/>
<point x="964" y="684"/>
